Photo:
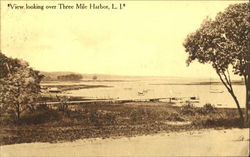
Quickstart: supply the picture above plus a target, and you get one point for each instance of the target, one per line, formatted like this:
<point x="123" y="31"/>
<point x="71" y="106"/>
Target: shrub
<point x="188" y="109"/>
<point x="42" y="107"/>
<point x="101" y="118"/>
<point x="209" y="122"/>
<point x="142" y="115"/>
<point x="175" y="117"/>
<point x="40" y="116"/>
<point x="206" y="109"/>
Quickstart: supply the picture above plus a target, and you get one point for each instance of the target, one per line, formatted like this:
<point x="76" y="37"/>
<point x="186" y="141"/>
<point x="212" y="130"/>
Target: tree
<point x="94" y="77"/>
<point x="224" y="43"/>
<point x="70" y="77"/>
<point x="19" y="85"/>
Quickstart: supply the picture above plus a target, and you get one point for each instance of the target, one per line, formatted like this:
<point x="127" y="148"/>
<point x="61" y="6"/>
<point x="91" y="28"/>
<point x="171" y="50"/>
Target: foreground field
<point x="112" y="120"/>
<point x="206" y="142"/>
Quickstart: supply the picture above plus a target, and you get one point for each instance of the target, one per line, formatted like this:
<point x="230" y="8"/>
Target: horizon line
<point x="127" y="75"/>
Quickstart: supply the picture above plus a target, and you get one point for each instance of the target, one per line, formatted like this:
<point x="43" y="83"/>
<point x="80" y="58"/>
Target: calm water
<point x="161" y="89"/>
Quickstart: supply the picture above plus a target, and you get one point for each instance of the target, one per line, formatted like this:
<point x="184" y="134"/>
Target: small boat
<point x="54" y="90"/>
<point x="176" y="100"/>
<point x="194" y="98"/>
<point x="140" y="93"/>
<point x="215" y="91"/>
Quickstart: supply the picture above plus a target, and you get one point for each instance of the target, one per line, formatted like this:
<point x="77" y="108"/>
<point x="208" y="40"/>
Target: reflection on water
<point x="149" y="89"/>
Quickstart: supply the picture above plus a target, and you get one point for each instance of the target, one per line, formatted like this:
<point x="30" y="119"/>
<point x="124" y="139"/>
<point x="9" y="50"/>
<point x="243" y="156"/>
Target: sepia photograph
<point x="112" y="78"/>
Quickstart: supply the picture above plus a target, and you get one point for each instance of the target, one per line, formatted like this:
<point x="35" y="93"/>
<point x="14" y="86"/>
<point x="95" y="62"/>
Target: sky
<point x="144" y="38"/>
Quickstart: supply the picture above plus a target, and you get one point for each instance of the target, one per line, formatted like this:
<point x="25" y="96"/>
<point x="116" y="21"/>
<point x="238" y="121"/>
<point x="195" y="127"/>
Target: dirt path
<point x="230" y="142"/>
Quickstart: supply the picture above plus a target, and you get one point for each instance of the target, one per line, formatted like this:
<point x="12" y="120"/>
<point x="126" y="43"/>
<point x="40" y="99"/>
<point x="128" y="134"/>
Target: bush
<point x="175" y="117"/>
<point x="42" y="107"/>
<point x="209" y="122"/>
<point x="142" y="115"/>
<point x="40" y="116"/>
<point x="188" y="109"/>
<point x="206" y="109"/>
<point x="101" y="118"/>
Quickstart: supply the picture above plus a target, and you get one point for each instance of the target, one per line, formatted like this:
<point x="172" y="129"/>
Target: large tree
<point x="223" y="42"/>
<point x="19" y="85"/>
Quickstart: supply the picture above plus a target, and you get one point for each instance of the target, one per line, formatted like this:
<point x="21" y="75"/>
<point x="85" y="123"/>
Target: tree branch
<point x="225" y="84"/>
<point x="227" y="80"/>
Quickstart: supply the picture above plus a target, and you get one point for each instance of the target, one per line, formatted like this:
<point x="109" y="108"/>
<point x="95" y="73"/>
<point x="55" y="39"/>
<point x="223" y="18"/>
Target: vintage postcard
<point x="124" y="78"/>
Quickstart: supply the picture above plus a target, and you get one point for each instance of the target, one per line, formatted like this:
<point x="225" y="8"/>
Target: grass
<point x="112" y="120"/>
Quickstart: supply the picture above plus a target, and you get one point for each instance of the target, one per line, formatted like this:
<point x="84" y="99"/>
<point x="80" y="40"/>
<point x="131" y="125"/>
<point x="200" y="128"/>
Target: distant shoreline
<point x="188" y="83"/>
<point x="200" y="83"/>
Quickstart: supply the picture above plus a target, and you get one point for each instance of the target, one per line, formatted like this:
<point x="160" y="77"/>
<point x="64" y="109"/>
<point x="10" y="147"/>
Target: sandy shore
<point x="229" y="142"/>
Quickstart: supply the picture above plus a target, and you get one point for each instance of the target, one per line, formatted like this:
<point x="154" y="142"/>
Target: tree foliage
<point x="94" y="77"/>
<point x="19" y="85"/>
<point x="223" y="42"/>
<point x="70" y="77"/>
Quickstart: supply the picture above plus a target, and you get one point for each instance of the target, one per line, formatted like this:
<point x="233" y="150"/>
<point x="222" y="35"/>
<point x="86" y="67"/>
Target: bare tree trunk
<point x="228" y="85"/>
<point x="238" y="107"/>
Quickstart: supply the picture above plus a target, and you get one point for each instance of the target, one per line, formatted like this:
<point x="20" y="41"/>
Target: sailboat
<point x="214" y="90"/>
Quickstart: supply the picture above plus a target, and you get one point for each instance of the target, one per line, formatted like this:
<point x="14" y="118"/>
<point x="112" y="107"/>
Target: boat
<point x="54" y="90"/>
<point x="193" y="99"/>
<point x="143" y="92"/>
<point x="215" y="91"/>
<point x="140" y="93"/>
<point x="176" y="100"/>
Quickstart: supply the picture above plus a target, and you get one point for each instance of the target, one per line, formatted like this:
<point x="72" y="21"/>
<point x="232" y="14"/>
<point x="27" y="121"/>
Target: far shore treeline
<point x="61" y="76"/>
<point x="70" y="77"/>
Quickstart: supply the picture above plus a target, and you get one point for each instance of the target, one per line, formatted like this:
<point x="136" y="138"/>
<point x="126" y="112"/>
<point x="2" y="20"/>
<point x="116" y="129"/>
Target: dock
<point x="89" y="101"/>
